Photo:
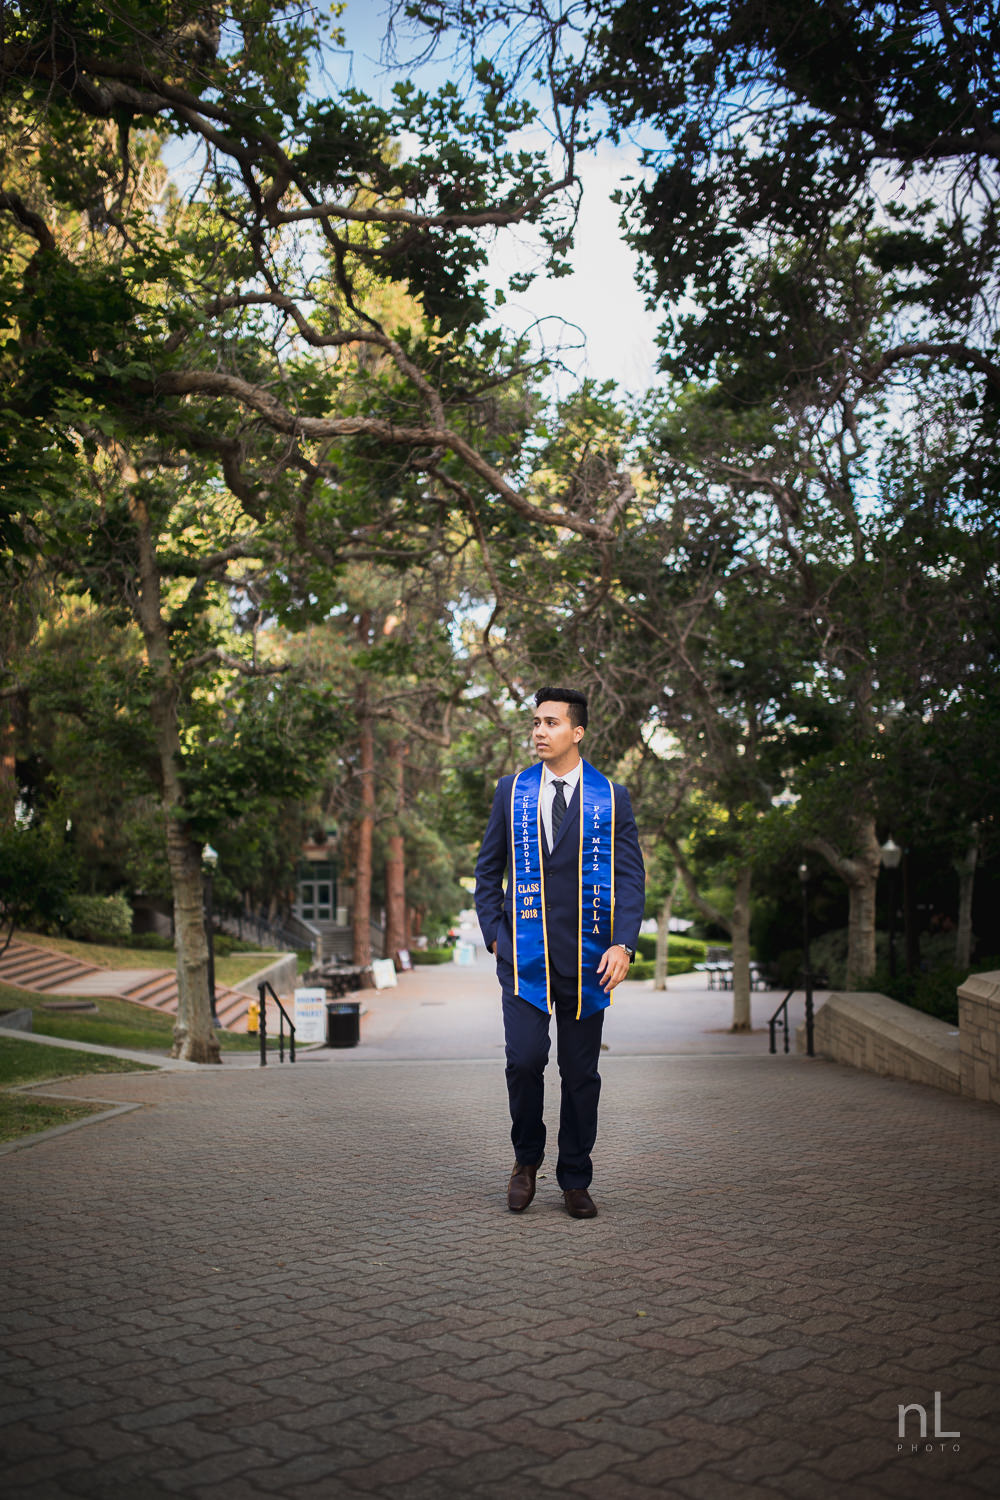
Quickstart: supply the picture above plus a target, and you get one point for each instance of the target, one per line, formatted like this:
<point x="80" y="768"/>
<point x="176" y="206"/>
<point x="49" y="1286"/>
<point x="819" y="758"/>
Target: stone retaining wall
<point x="979" y="1023"/>
<point x="879" y="1035"/>
<point x="872" y="1032"/>
<point x="282" y="975"/>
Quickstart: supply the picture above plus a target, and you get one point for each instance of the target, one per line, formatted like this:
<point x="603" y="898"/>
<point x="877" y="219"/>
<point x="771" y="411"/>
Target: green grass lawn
<point x="229" y="970"/>
<point x="21" y="1116"/>
<point x="24" y="1062"/>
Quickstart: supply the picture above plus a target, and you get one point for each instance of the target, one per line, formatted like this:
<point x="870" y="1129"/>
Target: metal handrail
<point x="288" y="932"/>
<point x="774" y="1022"/>
<point x="283" y="1016"/>
<point x="782" y="1011"/>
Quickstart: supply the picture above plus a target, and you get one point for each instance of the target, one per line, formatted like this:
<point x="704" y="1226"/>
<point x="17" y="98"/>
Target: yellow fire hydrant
<point x="253" y="1017"/>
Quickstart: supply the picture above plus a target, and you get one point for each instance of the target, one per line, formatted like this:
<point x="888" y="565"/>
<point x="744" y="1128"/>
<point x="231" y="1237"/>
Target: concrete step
<point x="158" y="992"/>
<point x="40" y="969"/>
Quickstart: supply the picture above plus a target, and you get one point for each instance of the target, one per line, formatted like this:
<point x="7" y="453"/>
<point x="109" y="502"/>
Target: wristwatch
<point x="629" y="951"/>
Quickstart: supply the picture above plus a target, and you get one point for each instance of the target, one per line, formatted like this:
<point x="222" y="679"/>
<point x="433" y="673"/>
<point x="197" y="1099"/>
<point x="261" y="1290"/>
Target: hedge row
<point x="432" y="955"/>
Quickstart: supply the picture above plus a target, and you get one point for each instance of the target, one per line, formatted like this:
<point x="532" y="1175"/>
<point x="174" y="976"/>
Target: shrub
<point x="645" y="968"/>
<point x="828" y="957"/>
<point x="680" y="947"/>
<point x="37" y="874"/>
<point x="933" y="991"/>
<point x="98" y="919"/>
<point x="151" y="940"/>
<point x="432" y="955"/>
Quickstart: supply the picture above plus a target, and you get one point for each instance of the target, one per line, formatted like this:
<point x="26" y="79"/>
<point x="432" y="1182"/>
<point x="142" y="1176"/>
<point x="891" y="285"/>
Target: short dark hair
<point x="575" y="701"/>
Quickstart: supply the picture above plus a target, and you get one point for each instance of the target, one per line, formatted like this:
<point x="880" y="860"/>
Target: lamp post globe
<point x="890" y="854"/>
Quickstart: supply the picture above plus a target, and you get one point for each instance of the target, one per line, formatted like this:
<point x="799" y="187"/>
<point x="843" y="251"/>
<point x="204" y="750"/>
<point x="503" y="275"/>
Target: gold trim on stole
<point x="579" y="911"/>
<point x="541" y="884"/>
<point x="513" y="874"/>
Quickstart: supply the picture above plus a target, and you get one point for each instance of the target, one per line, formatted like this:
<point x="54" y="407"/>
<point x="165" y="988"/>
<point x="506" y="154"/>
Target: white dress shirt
<point x="548" y="793"/>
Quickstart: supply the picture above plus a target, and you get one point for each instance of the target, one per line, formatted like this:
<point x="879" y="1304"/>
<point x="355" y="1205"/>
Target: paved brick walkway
<point x="302" y="1282"/>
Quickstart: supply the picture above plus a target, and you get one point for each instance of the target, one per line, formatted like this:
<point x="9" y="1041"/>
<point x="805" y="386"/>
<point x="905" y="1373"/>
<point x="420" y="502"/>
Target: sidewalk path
<point x="453" y="1011"/>
<point x="300" y="1282"/>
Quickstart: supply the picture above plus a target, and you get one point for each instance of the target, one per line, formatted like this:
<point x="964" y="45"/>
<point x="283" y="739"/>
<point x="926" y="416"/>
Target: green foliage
<point x="98" y="919"/>
<point x="37" y="873"/>
<point x="645" y="968"/>
<point x="680" y="946"/>
<point x="422" y="956"/>
<point x="935" y="992"/>
<point x="22" y="1116"/>
<point x="851" y="105"/>
<point x="24" y="1062"/>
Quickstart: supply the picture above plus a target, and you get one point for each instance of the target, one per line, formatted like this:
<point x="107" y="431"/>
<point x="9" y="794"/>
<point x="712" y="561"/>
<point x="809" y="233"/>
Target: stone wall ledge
<point x="282" y="974"/>
<point x="979" y="1020"/>
<point x="984" y="988"/>
<point x="879" y="1035"/>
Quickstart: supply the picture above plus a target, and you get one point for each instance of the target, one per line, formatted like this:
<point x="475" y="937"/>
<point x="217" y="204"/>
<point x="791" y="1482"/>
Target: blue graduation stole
<point x="595" y="888"/>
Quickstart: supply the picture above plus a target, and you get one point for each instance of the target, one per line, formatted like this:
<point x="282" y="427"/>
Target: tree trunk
<point x="861" y="961"/>
<point x="362" y="938"/>
<point x="860" y="874"/>
<point x="737" y="926"/>
<point x="740" y="932"/>
<point x="662" y="970"/>
<point x="966" y="868"/>
<point x="194" y="1038"/>
<point x="396" y="935"/>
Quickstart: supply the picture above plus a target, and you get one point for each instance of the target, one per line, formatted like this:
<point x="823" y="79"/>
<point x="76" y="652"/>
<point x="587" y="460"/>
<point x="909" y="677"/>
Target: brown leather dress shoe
<point x="579" y="1203"/>
<point x="521" y="1187"/>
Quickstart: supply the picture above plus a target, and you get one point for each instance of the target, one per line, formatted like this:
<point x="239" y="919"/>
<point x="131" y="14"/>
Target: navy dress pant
<point x="578" y="1050"/>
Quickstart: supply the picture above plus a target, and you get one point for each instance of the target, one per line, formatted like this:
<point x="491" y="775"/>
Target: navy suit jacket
<point x="562" y="877"/>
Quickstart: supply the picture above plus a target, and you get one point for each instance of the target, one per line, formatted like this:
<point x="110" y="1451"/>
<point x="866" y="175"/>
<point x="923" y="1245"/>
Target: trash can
<point x="343" y="1023"/>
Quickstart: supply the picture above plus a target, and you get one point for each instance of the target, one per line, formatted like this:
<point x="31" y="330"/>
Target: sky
<point x="597" y="314"/>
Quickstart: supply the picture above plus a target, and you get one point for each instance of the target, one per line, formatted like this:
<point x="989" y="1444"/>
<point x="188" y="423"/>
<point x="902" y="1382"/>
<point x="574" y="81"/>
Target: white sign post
<point x="310" y="1015"/>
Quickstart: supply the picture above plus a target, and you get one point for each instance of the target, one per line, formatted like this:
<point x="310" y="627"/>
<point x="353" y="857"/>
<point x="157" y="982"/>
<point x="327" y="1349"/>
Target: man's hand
<point x="613" y="967"/>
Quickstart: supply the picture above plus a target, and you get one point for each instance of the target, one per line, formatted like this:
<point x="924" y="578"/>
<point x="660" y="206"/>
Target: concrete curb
<point x="114" y="1109"/>
<point x="151" y="1059"/>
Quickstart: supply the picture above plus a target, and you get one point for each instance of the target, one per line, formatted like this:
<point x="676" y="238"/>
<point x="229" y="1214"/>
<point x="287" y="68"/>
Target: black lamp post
<point x="807" y="977"/>
<point x="890" y="854"/>
<point x="209" y="860"/>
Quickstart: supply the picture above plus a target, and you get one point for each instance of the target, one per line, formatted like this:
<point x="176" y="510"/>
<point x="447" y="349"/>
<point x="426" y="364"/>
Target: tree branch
<point x="705" y="907"/>
<point x="927" y="349"/>
<point x="28" y="219"/>
<point x="278" y="416"/>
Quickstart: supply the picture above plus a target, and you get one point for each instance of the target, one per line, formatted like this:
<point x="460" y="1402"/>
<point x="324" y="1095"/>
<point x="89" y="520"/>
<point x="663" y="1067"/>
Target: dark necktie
<point x="558" y="808"/>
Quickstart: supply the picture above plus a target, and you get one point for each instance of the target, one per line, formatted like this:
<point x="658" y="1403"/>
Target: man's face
<point x="555" y="737"/>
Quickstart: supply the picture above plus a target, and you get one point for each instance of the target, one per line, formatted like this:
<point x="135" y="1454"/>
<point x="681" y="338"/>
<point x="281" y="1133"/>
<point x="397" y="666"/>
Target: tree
<point x="246" y="328"/>
<point x="784" y="122"/>
<point x="301" y="206"/>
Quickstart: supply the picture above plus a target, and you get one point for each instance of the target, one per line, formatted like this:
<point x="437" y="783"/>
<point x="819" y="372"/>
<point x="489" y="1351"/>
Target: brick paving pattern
<point x="303" y="1282"/>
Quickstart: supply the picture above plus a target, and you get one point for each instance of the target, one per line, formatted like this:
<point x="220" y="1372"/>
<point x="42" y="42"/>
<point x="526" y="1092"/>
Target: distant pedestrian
<point x="563" y="933"/>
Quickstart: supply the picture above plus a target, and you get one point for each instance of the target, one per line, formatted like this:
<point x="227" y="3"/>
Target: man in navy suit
<point x="563" y="933"/>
